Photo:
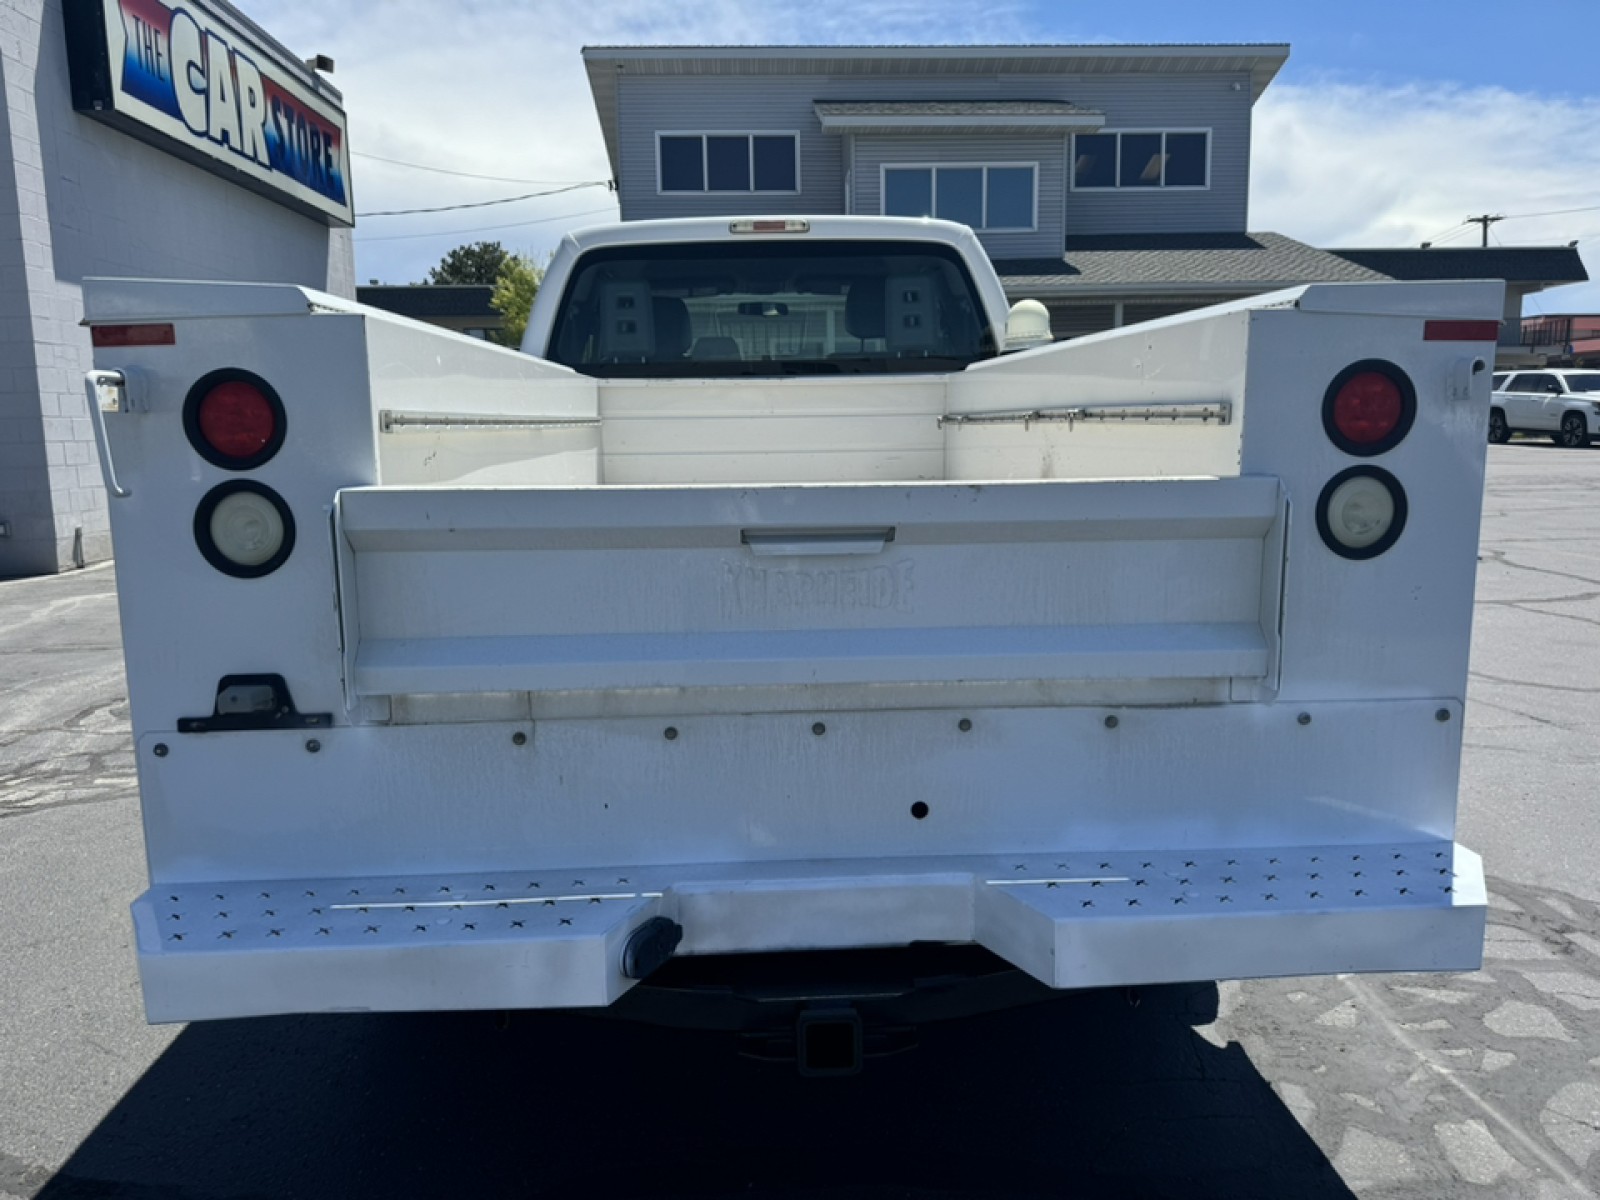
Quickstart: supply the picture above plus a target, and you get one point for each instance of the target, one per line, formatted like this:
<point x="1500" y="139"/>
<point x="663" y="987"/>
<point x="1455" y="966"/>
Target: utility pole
<point x="1486" y="220"/>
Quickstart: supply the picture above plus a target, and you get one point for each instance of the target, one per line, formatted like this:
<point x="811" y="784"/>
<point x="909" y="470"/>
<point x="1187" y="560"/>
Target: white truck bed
<point x="1091" y="693"/>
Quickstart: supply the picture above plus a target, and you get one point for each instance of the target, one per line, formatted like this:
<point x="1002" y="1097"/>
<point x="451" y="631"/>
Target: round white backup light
<point x="1361" y="512"/>
<point x="246" y="528"/>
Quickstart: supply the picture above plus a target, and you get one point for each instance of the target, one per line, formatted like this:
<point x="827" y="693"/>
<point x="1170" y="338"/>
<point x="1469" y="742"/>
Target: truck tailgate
<point x="534" y="589"/>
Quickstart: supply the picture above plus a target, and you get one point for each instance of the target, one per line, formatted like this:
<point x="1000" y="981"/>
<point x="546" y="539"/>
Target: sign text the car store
<point x="190" y="80"/>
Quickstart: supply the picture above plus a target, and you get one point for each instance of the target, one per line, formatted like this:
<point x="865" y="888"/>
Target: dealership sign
<point x="194" y="82"/>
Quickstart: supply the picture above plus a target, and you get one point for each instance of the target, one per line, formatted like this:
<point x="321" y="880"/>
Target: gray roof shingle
<point x="1121" y="263"/>
<point x="1514" y="264"/>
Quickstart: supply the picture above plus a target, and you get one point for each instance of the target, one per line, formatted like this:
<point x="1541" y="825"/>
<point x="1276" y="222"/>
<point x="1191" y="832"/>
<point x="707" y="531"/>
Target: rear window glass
<point x="1583" y="383"/>
<point x="750" y="308"/>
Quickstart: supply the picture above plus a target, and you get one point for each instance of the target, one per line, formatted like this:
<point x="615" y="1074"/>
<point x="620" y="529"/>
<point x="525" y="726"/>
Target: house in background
<point x="463" y="307"/>
<point x="1563" y="339"/>
<point x="1110" y="182"/>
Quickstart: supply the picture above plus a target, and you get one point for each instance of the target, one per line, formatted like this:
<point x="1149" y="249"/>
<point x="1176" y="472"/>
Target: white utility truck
<point x="770" y="605"/>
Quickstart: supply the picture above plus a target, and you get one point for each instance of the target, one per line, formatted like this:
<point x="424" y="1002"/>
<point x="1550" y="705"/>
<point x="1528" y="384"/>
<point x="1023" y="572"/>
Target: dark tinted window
<point x="728" y="164"/>
<point x="681" y="167"/>
<point x="1583" y="383"/>
<point x="1010" y="198"/>
<point x="1186" y="160"/>
<point x="908" y="193"/>
<point x="1095" y="160"/>
<point x="775" y="164"/>
<point x="1141" y="160"/>
<point x="754" y="308"/>
<point x="958" y="195"/>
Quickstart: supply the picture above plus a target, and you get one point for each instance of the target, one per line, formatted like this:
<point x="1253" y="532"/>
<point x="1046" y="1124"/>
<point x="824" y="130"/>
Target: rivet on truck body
<point x="312" y="745"/>
<point x="1304" y="718"/>
<point x="1111" y="722"/>
<point x="159" y="749"/>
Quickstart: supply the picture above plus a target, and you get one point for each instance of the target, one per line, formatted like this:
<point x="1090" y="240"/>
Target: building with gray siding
<point x="1110" y="182"/>
<point x="81" y="195"/>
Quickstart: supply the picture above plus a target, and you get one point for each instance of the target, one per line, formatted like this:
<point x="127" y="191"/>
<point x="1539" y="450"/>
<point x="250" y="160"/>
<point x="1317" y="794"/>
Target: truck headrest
<point x="671" y="317"/>
<point x="864" y="309"/>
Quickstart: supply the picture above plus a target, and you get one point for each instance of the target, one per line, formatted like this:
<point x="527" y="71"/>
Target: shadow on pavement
<point x="1085" y="1095"/>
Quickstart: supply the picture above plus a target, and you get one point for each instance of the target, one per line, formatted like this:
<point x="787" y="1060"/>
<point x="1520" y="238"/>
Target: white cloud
<point x="1339" y="164"/>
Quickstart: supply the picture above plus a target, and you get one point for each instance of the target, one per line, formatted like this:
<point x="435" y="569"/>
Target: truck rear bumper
<point x="555" y="939"/>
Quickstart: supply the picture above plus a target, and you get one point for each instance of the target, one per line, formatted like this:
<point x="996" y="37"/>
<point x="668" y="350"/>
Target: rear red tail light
<point x="234" y="420"/>
<point x="1369" y="407"/>
<point x="102" y="336"/>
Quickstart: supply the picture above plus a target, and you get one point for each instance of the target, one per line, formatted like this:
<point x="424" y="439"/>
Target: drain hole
<point x="919" y="810"/>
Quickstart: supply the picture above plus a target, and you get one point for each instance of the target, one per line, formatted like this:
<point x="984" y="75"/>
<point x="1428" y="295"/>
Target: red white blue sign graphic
<point x="183" y="72"/>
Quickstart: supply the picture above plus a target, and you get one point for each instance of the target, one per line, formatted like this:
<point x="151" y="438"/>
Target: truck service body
<point x="462" y="678"/>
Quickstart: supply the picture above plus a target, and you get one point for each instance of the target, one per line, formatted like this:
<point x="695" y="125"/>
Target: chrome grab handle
<point x="93" y="382"/>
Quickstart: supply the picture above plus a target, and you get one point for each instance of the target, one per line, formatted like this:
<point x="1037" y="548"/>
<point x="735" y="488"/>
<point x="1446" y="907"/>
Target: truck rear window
<point x="747" y="308"/>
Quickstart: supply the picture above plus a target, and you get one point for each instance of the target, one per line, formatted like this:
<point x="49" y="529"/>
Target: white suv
<point x="1564" y="404"/>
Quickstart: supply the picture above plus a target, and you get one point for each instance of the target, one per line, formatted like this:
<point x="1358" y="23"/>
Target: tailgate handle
<point x="800" y="542"/>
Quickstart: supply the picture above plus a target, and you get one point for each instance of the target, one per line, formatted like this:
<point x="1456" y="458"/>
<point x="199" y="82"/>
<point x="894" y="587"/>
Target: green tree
<point x="514" y="290"/>
<point x="479" y="262"/>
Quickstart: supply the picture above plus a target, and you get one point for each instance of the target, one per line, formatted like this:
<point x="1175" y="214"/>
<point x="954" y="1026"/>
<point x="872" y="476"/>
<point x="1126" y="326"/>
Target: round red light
<point x="236" y="419"/>
<point x="1368" y="408"/>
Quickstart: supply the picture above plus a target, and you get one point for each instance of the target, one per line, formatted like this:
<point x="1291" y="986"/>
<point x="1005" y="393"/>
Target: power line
<point x="1453" y="233"/>
<point x="405" y="212"/>
<point x="1555" y="212"/>
<point x="400" y="237"/>
<point x="395" y="162"/>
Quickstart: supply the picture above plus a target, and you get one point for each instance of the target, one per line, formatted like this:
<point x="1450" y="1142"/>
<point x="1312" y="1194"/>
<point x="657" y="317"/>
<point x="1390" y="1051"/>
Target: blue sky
<point x="1390" y="123"/>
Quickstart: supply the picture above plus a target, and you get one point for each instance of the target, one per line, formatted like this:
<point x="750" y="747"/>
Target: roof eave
<point x="942" y="124"/>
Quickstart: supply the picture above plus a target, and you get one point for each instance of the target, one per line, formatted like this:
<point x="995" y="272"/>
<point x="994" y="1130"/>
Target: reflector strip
<point x="132" y="335"/>
<point x="1461" y="331"/>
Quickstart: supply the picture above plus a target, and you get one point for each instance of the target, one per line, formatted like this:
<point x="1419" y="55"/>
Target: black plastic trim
<point x="282" y="716"/>
<point x="191" y="419"/>
<point x="1401" y="510"/>
<point x="1408" y="407"/>
<point x="208" y="548"/>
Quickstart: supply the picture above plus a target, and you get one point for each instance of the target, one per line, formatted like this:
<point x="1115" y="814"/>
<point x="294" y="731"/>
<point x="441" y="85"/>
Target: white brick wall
<point x="78" y="198"/>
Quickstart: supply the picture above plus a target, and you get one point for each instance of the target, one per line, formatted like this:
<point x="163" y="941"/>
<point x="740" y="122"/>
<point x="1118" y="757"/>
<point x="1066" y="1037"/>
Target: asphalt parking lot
<point x="1406" y="1087"/>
